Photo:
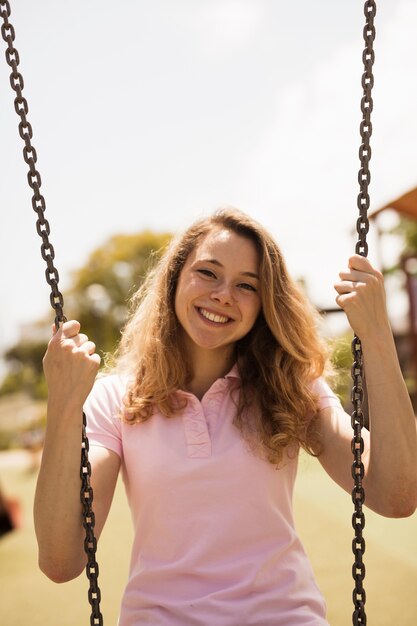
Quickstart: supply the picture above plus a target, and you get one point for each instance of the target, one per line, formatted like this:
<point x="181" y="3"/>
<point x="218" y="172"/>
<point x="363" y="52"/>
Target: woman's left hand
<point x="361" y="294"/>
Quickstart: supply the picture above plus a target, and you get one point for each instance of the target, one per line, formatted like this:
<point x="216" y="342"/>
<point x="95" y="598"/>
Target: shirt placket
<point x="196" y="430"/>
<point x="201" y="420"/>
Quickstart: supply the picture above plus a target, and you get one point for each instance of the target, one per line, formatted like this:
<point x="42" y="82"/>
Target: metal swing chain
<point x="56" y="298"/>
<point x="362" y="226"/>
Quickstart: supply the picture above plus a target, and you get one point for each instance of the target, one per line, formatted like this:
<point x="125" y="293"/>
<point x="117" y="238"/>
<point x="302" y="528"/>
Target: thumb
<point x="56" y="332"/>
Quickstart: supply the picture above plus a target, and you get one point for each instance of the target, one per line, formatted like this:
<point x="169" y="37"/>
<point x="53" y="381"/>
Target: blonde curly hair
<point x="277" y="360"/>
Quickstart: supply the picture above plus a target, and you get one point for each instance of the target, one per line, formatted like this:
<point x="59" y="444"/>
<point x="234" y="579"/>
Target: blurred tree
<point x="408" y="230"/>
<point x="98" y="299"/>
<point x="341" y="359"/>
<point x="101" y="289"/>
<point x="24" y="361"/>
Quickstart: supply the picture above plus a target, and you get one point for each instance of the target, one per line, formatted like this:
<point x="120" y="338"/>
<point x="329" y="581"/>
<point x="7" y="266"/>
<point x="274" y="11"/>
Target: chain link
<point x="362" y="227"/>
<point x="56" y="298"/>
<point x="90" y="542"/>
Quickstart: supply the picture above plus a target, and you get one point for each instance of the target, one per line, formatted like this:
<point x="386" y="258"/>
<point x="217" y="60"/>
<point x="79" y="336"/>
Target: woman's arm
<point x="70" y="366"/>
<point x="390" y="455"/>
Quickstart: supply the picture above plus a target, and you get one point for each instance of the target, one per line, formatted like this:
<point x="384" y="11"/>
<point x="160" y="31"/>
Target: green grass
<point x="323" y="514"/>
<point x="28" y="597"/>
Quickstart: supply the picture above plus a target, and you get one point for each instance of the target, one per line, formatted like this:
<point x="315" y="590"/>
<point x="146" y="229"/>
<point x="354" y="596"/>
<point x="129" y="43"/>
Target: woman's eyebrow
<point x="216" y="262"/>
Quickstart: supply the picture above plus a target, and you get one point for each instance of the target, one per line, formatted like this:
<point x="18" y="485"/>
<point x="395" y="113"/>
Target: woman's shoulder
<point x="108" y="390"/>
<point x="103" y="409"/>
<point x="111" y="382"/>
<point x="326" y="395"/>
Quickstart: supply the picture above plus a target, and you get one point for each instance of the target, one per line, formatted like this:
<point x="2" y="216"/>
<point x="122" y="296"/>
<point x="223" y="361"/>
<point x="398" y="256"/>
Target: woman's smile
<point x="212" y="317"/>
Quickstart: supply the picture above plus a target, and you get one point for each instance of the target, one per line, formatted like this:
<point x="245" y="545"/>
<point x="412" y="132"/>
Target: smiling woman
<point x="217" y="384"/>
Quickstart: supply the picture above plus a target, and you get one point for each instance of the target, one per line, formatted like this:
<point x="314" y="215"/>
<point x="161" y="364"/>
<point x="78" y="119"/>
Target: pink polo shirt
<point x="214" y="537"/>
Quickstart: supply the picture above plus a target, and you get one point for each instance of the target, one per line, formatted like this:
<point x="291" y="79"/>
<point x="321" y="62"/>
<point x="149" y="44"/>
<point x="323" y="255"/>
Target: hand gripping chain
<point x="56" y="299"/>
<point x="362" y="226"/>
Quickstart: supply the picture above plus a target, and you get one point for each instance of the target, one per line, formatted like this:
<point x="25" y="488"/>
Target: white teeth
<point x="220" y="319"/>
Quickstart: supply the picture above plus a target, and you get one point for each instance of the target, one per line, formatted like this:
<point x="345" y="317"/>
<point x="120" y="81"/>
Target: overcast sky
<point x="147" y="114"/>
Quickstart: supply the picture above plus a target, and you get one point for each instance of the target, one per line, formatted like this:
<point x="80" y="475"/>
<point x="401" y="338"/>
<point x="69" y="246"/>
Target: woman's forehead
<point x="226" y="248"/>
<point x="226" y="242"/>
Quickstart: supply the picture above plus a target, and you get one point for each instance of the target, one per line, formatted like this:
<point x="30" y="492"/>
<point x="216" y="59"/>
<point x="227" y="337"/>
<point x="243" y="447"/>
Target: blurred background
<point x="148" y="115"/>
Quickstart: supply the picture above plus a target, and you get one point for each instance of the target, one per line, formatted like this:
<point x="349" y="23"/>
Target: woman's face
<point x="218" y="293"/>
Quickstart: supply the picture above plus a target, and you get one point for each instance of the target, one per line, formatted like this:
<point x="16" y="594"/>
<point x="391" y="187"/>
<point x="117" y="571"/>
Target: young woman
<point x="218" y="385"/>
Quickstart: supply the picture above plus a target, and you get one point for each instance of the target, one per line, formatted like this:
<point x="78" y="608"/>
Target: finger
<point x="70" y="329"/>
<point x="67" y="330"/>
<point x="56" y="334"/>
<point x="342" y="299"/>
<point x="355" y="276"/>
<point x="361" y="263"/>
<point x="78" y="340"/>
<point x="346" y="286"/>
<point x="96" y="359"/>
<point x="88" y="347"/>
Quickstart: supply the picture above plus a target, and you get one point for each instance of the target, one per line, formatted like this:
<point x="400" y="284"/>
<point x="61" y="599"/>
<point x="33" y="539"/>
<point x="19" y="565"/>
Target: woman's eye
<point x="247" y="286"/>
<point x="207" y="273"/>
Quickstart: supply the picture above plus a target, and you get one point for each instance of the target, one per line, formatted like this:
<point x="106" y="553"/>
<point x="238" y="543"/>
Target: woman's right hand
<point x="70" y="364"/>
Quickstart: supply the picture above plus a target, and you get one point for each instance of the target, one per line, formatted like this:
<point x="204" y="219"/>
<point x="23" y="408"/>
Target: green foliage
<point x="7" y="439"/>
<point x="24" y="362"/>
<point x="101" y="289"/>
<point x="408" y="230"/>
<point x="98" y="299"/>
<point x="26" y="378"/>
<point x="341" y="358"/>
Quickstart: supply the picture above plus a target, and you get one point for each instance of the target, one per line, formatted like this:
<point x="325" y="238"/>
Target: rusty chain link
<point x="362" y="227"/>
<point x="56" y="299"/>
<point x="90" y="542"/>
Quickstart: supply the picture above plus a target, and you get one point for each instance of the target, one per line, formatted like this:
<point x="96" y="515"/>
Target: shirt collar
<point x="234" y="372"/>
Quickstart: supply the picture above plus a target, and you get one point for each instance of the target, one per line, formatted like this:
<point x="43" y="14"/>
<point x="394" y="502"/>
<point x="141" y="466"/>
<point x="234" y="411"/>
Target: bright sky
<point x="149" y="114"/>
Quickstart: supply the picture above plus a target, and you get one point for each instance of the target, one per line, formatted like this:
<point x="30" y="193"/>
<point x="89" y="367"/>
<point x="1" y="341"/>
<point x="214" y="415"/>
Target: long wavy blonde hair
<point x="278" y="359"/>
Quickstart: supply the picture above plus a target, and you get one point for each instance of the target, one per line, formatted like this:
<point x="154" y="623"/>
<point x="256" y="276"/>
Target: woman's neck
<point x="207" y="366"/>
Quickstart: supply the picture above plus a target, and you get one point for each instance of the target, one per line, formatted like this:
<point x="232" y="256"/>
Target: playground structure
<point x="405" y="339"/>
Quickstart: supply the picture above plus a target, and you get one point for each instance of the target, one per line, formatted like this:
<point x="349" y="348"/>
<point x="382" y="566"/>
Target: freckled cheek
<point x="256" y="313"/>
<point x="184" y="299"/>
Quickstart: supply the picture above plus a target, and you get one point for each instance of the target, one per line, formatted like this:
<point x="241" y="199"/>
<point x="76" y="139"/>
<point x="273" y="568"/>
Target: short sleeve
<point x="327" y="397"/>
<point x="102" y="410"/>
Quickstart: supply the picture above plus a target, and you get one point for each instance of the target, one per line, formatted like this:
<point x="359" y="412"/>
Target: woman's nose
<point x="223" y="294"/>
